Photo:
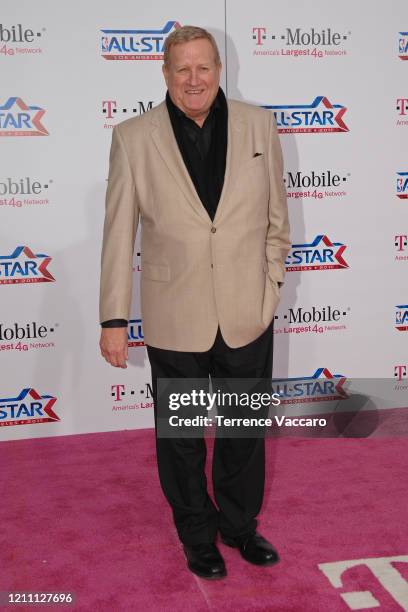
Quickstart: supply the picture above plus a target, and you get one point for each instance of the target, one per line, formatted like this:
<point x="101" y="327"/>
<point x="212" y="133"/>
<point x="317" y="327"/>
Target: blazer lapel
<point x="236" y="135"/>
<point x="167" y="147"/>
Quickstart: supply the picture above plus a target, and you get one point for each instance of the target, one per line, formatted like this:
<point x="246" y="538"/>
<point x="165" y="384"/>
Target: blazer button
<point x="213" y="230"/>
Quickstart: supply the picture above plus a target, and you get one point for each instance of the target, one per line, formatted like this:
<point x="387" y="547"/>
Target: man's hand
<point x="114" y="345"/>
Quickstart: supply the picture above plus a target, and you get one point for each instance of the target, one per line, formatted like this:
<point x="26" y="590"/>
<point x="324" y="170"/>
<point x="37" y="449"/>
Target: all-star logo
<point x="403" y="45"/>
<point x="402" y="185"/>
<point x="401" y="317"/>
<point x="23" y="266"/>
<point x="321" y="386"/>
<point x="135" y="333"/>
<point x="135" y="44"/>
<point x="18" y="119"/>
<point x="319" y="116"/>
<point x="27" y="408"/>
<point x="321" y="254"/>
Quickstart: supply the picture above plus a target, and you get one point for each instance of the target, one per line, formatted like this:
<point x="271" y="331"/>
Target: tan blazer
<point x="196" y="274"/>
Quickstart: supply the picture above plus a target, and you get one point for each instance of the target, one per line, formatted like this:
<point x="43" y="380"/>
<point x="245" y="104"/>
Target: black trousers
<point x="238" y="468"/>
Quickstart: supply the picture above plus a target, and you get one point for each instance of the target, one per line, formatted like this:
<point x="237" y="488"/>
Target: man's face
<point x="193" y="77"/>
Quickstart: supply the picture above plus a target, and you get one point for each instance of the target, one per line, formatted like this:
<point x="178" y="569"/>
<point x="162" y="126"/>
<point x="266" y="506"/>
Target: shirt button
<point x="213" y="230"/>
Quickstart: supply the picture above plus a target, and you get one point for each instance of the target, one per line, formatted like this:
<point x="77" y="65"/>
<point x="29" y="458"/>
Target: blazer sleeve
<point x="277" y="238"/>
<point x="119" y="232"/>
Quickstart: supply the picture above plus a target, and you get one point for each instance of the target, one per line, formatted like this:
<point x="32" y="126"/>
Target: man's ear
<point x="165" y="72"/>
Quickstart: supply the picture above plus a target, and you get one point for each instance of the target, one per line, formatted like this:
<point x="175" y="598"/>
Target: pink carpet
<point x="86" y="514"/>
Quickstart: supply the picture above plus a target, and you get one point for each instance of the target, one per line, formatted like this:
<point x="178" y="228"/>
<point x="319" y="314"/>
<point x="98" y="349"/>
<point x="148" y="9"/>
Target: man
<point x="205" y="177"/>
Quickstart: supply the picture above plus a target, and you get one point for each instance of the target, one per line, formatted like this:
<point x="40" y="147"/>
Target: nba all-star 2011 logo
<point x="401" y="317"/>
<point x="312" y="42"/>
<point x="402" y="185"/>
<point x="321" y="254"/>
<point x="319" y="116"/>
<point x="322" y="386"/>
<point x="19" y="119"/>
<point x="403" y="45"/>
<point x="24" y="266"/>
<point x="29" y="407"/>
<point x="140" y="44"/>
<point x="135" y="333"/>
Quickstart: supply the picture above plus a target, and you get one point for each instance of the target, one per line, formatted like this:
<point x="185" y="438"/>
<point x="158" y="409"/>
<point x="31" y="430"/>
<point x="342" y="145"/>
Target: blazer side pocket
<point x="155" y="272"/>
<point x="272" y="282"/>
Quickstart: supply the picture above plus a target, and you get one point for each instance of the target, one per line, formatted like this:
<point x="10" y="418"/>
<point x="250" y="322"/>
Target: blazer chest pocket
<point x="254" y="168"/>
<point x="253" y="162"/>
<point x="156" y="272"/>
<point x="253" y="177"/>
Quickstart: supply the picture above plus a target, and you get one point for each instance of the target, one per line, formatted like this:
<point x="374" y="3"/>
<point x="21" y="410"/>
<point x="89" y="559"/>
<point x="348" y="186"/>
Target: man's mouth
<point x="194" y="92"/>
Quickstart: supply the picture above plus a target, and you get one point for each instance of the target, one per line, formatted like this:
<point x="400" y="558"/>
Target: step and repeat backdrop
<point x="336" y="80"/>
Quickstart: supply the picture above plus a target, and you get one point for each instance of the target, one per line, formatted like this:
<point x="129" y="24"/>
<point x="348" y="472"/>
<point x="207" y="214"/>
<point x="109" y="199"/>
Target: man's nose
<point x="193" y="77"/>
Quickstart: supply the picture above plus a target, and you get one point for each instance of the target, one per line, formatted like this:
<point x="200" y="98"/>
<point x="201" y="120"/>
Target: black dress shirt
<point x="204" y="151"/>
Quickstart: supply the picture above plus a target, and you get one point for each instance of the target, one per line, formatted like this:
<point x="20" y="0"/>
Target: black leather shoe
<point x="205" y="561"/>
<point x="254" y="549"/>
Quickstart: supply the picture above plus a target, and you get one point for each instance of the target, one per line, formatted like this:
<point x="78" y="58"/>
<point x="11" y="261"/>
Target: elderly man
<point x="204" y="174"/>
